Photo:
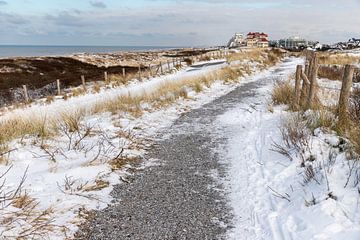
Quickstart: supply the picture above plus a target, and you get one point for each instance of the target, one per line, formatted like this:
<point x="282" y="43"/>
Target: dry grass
<point x="331" y="72"/>
<point x="354" y="130"/>
<point x="322" y="117"/>
<point x="49" y="99"/>
<point x="25" y="215"/>
<point x="96" y="88"/>
<point x="45" y="126"/>
<point x="338" y="59"/>
<point x="75" y="92"/>
<point x="283" y="93"/>
<point x="264" y="57"/>
<point x="295" y="136"/>
<point x="18" y="127"/>
<point x="119" y="79"/>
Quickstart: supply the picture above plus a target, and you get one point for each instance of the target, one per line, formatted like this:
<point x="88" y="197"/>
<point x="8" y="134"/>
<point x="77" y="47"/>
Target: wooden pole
<point x="345" y="92"/>
<point x="105" y="76"/>
<point x="150" y="71"/>
<point x="83" y="82"/>
<point x="313" y="70"/>
<point x="297" y="84"/>
<point x="26" y="95"/>
<point x="58" y="87"/>
<point x="168" y="64"/>
<point x="304" y="89"/>
<point x="124" y="72"/>
<point x="139" y="72"/>
<point x="161" y="68"/>
<point x="307" y="69"/>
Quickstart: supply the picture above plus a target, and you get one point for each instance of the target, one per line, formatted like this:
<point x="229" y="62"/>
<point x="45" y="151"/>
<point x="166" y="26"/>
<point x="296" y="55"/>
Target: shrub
<point x="283" y="93"/>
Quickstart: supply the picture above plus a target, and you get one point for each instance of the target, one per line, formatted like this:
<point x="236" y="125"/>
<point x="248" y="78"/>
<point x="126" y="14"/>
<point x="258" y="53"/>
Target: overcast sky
<point x="172" y="22"/>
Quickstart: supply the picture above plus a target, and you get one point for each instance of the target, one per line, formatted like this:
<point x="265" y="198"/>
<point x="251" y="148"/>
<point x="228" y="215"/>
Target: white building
<point x="237" y="40"/>
<point x="293" y="43"/>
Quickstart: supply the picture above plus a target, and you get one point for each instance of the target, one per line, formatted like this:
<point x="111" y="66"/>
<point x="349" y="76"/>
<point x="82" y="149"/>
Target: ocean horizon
<point x="7" y="51"/>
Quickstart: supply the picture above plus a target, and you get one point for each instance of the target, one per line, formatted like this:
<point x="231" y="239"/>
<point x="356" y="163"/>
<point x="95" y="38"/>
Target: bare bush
<point x="24" y="217"/>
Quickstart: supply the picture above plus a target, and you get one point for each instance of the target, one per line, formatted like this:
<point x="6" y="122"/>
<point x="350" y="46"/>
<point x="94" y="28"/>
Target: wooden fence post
<point x="150" y="71"/>
<point x="58" y="87"/>
<point x="161" y="68"/>
<point x="26" y="95"/>
<point x="168" y="64"/>
<point x="105" y="76"/>
<point x="313" y="70"/>
<point x="304" y="89"/>
<point x="83" y="82"/>
<point x="297" y="84"/>
<point x="123" y="72"/>
<point x="139" y="72"/>
<point x="345" y="92"/>
<point x="307" y="69"/>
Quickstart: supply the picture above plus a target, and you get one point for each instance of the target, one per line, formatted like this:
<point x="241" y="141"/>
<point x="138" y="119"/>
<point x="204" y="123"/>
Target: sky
<point x="173" y="22"/>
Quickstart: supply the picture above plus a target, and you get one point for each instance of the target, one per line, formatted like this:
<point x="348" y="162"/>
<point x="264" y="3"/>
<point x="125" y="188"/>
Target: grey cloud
<point x="170" y="24"/>
<point x="3" y="3"/>
<point x="69" y="19"/>
<point x="12" y="19"/>
<point x="98" y="4"/>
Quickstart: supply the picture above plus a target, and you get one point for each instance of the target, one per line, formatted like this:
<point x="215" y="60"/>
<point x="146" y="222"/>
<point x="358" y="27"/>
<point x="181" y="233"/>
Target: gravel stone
<point x="178" y="198"/>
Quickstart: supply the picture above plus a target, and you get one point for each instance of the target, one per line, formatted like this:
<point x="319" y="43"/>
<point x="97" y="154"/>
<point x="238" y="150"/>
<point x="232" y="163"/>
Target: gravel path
<point x="178" y="198"/>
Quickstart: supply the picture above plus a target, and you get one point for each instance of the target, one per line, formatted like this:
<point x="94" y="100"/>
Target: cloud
<point x="12" y="19"/>
<point x="67" y="19"/>
<point x="184" y="23"/>
<point x="3" y="3"/>
<point x="98" y="4"/>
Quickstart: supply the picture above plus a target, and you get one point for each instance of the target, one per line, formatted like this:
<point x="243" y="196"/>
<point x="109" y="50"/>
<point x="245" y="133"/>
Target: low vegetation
<point x="283" y="93"/>
<point x="321" y="142"/>
<point x="338" y="59"/>
<point x="331" y="65"/>
<point x="44" y="126"/>
<point x="323" y="116"/>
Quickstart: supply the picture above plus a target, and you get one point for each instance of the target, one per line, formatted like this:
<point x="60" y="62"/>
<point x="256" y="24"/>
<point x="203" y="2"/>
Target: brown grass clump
<point x="18" y="127"/>
<point x="283" y="93"/>
<point x="119" y="79"/>
<point x="198" y="87"/>
<point x="49" y="99"/>
<point x="97" y="88"/>
<point x="188" y="61"/>
<point x="78" y="92"/>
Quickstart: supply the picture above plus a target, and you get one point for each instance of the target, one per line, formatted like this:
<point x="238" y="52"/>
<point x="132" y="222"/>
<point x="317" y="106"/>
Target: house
<point x="293" y="43"/>
<point x="236" y="41"/>
<point x="257" y="39"/>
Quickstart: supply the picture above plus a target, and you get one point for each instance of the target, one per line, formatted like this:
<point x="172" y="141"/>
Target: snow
<point x="79" y="176"/>
<point x="268" y="193"/>
<point x="70" y="174"/>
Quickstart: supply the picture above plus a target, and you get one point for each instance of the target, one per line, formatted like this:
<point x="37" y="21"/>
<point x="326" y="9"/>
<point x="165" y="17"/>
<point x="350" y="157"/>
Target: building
<point x="236" y="41"/>
<point x="257" y="39"/>
<point x="293" y="43"/>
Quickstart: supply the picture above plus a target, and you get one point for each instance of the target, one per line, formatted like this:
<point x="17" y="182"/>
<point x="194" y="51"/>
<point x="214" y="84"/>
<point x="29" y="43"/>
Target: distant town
<point x="292" y="43"/>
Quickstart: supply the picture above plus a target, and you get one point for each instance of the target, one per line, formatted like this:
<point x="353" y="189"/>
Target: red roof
<point x="253" y="34"/>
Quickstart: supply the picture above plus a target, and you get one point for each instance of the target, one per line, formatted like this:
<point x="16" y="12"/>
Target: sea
<point x="35" y="51"/>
